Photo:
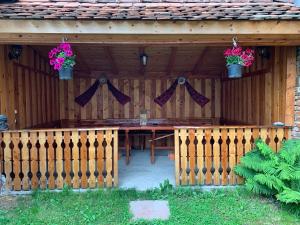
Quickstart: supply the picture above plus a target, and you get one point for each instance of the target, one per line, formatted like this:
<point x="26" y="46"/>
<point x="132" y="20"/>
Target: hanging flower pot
<point x="236" y="58"/>
<point x="234" y="70"/>
<point x="66" y="73"/>
<point x="62" y="59"/>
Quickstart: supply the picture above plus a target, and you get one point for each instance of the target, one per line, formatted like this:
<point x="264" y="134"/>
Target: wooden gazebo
<point x="53" y="141"/>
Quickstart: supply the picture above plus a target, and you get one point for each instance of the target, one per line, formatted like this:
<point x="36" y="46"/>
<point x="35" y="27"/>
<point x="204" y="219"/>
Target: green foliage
<point x="273" y="174"/>
<point x="187" y="206"/>
<point x="234" y="60"/>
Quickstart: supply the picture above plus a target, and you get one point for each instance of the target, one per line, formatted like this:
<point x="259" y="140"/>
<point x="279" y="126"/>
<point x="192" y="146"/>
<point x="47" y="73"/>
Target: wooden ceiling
<point x="163" y="60"/>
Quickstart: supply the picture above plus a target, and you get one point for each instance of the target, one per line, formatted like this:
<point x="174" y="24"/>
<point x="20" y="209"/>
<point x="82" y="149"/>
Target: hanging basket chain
<point x="235" y="41"/>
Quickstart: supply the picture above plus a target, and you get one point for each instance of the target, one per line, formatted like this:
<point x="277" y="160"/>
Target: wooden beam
<point x="199" y="61"/>
<point x="111" y="59"/>
<point x="149" y="27"/>
<point x="107" y="32"/>
<point x="171" y="61"/>
<point x="150" y="75"/>
<point x="152" y="39"/>
<point x="291" y="74"/>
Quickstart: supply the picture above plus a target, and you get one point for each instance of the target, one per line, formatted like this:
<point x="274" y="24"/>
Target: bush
<point x="273" y="174"/>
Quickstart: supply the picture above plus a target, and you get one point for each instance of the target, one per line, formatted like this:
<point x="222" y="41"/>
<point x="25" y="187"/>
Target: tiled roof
<point x="151" y="10"/>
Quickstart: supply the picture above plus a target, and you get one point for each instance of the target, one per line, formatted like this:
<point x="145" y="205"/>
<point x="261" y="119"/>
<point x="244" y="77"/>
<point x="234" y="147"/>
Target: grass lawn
<point x="111" y="207"/>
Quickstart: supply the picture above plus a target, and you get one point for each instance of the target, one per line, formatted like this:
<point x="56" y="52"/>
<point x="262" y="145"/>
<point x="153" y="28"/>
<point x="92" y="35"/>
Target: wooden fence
<point x="207" y="156"/>
<point x="82" y="158"/>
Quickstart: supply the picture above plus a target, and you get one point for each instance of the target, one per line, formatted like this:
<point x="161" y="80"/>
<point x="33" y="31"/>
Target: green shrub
<point x="273" y="174"/>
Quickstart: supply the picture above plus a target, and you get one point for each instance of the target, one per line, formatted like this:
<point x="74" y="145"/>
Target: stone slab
<point x="150" y="209"/>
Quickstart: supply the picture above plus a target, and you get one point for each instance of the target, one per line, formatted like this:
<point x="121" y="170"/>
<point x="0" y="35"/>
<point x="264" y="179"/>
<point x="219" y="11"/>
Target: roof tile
<point x="150" y="10"/>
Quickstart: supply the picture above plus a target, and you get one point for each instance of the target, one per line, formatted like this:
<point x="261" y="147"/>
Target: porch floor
<point x="141" y="174"/>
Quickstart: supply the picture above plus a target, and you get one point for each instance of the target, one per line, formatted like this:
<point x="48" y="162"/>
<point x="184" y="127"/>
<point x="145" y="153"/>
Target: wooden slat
<point x="51" y="160"/>
<point x="272" y="135"/>
<point x="25" y="160"/>
<point x="100" y="158"/>
<point x="216" y="153"/>
<point x="108" y="154"/>
<point x="16" y="161"/>
<point x="183" y="158"/>
<point x="200" y="157"/>
<point x="75" y="156"/>
<point x="92" y="156"/>
<point x="192" y="153"/>
<point x="208" y="157"/>
<point x="280" y="135"/>
<point x="240" y="150"/>
<point x="34" y="160"/>
<point x="59" y="160"/>
<point x="264" y="134"/>
<point x="67" y="157"/>
<point x="177" y="157"/>
<point x="115" y="159"/>
<point x="247" y="135"/>
<point x="224" y="157"/>
<point x="83" y="159"/>
<point x="7" y="160"/>
<point x="232" y="155"/>
<point x="42" y="159"/>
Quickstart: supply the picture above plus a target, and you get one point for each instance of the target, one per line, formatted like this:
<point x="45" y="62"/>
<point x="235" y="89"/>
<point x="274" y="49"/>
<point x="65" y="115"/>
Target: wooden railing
<point x="207" y="156"/>
<point x="80" y="158"/>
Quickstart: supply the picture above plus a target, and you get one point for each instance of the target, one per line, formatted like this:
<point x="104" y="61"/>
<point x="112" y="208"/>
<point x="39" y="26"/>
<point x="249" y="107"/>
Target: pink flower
<point x="247" y="63"/>
<point x="57" y="66"/>
<point x="236" y="51"/>
<point x="249" y="51"/>
<point x="65" y="47"/>
<point x="60" y="60"/>
<point x="52" y="62"/>
<point x="227" y="52"/>
<point x="69" y="53"/>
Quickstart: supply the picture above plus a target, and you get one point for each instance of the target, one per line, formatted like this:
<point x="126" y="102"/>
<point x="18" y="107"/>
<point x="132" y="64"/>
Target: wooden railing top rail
<point x="230" y="127"/>
<point x="62" y="129"/>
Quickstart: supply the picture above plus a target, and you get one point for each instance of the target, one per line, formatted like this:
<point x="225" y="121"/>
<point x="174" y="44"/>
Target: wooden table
<point x="152" y="129"/>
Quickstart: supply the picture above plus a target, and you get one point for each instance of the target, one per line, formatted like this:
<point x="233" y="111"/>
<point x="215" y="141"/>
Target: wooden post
<point x="177" y="152"/>
<point x="153" y="147"/>
<point x="127" y="146"/>
<point x="291" y="74"/>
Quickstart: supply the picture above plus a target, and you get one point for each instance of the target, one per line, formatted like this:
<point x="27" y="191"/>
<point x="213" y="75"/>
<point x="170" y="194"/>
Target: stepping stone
<point x="150" y="210"/>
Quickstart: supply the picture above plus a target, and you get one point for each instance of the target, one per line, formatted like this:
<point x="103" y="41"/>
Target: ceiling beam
<point x="150" y="75"/>
<point x="233" y="27"/>
<point x="171" y="61"/>
<point x="199" y="61"/>
<point x="111" y="59"/>
<point x="272" y="32"/>
<point x="152" y="39"/>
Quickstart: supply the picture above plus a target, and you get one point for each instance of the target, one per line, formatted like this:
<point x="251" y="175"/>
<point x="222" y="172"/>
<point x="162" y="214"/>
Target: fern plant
<point x="273" y="174"/>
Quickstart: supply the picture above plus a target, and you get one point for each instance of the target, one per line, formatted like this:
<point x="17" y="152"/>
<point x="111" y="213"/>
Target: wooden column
<point x="291" y="74"/>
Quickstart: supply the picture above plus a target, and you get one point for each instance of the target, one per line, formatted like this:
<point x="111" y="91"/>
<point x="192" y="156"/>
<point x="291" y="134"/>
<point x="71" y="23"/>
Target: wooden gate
<point x="207" y="156"/>
<point x="79" y="158"/>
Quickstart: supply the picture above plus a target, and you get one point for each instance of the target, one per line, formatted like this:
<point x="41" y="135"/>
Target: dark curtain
<point x="197" y="97"/>
<point x="85" y="97"/>
<point x="122" y="98"/>
<point x="164" y="97"/>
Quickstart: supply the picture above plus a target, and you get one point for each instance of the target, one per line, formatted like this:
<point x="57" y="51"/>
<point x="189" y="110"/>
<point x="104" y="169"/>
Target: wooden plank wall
<point x="142" y="92"/>
<point x="207" y="156"/>
<point x="28" y="91"/>
<point x="262" y="98"/>
<point x="50" y="159"/>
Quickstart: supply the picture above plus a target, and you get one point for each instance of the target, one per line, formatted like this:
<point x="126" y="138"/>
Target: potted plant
<point x="236" y="58"/>
<point x="62" y="59"/>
